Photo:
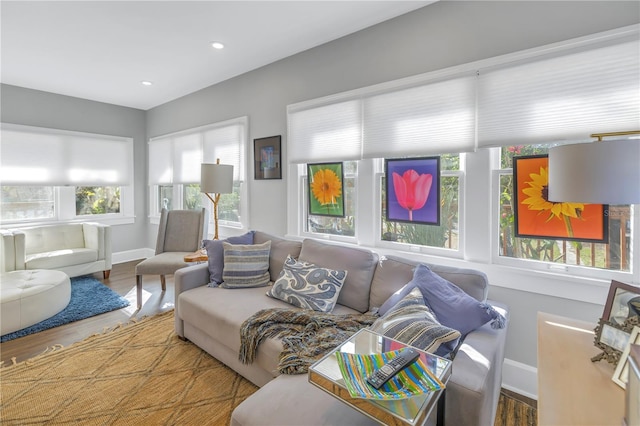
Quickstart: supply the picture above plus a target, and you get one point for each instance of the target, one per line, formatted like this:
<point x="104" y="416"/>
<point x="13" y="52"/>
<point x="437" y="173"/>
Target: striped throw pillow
<point x="411" y="322"/>
<point x="246" y="265"/>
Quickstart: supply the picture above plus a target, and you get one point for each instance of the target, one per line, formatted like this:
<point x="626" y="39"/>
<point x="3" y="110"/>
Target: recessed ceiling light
<point x="146" y="83"/>
<point x="217" y="45"/>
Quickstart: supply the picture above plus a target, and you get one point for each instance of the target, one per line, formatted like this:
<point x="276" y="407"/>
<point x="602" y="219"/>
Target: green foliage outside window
<point x="97" y="200"/>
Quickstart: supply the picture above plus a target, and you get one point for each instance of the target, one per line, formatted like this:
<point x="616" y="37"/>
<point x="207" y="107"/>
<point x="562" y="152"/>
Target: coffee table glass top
<point x="325" y="374"/>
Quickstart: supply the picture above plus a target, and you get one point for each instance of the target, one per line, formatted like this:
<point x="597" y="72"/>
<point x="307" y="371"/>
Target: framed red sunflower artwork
<point x="326" y="189"/>
<point x="537" y="217"/>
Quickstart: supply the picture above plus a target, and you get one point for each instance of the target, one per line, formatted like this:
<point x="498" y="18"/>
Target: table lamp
<point x="216" y="179"/>
<point x="602" y="172"/>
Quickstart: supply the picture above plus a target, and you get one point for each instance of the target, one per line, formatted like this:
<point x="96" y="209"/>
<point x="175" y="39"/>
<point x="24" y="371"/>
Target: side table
<point x="326" y="375"/>
<point x="572" y="390"/>
<point x="197" y="256"/>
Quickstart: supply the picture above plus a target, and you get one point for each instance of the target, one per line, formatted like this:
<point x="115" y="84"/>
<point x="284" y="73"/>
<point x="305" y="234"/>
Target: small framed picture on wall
<point x="267" y="158"/>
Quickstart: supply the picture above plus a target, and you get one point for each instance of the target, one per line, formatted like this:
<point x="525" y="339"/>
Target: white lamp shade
<point x="216" y="178"/>
<point x="606" y="172"/>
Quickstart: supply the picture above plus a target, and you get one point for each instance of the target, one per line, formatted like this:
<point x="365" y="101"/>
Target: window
<point x="614" y="255"/>
<point x="23" y="203"/>
<point x="174" y="169"/>
<point x="57" y="175"/>
<point x="91" y="200"/>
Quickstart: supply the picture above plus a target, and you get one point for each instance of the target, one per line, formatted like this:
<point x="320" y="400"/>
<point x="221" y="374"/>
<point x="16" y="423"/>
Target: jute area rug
<point x="137" y="374"/>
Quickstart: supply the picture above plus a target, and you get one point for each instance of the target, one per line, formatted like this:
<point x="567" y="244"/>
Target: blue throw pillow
<point x="452" y="306"/>
<point x="215" y="252"/>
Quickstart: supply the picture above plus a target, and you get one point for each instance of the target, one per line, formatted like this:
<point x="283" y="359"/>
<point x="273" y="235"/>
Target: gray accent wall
<point x="42" y="109"/>
<point x="441" y="35"/>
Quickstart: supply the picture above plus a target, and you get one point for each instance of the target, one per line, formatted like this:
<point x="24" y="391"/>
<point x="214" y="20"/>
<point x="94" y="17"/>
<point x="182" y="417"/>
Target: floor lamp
<point x="216" y="179"/>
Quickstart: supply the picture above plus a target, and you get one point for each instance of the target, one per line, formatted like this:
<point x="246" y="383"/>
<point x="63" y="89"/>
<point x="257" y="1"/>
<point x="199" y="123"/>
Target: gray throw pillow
<point x="215" y="253"/>
<point x="411" y="322"/>
<point x="245" y="265"/>
<point x="308" y="286"/>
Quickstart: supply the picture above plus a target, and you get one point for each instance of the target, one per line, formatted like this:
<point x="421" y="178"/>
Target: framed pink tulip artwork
<point x="413" y="190"/>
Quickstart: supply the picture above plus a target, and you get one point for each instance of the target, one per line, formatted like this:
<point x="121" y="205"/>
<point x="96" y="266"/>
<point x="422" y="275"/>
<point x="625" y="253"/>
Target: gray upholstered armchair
<point x="180" y="232"/>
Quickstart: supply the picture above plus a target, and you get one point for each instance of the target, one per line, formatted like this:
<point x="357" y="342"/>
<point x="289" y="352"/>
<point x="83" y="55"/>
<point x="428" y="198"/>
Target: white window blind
<point x="325" y="133"/>
<point x="41" y="156"/>
<point x="176" y="158"/>
<point x="567" y="96"/>
<point x="434" y="118"/>
<point x="226" y="143"/>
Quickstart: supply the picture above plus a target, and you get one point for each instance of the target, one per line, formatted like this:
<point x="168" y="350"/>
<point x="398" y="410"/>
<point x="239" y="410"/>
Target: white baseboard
<point x="520" y="378"/>
<point x="129" y="255"/>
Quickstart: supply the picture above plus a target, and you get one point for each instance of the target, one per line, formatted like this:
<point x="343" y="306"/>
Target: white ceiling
<point x="102" y="50"/>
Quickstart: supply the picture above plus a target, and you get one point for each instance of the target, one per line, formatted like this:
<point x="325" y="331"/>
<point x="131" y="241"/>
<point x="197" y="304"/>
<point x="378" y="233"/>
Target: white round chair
<point x="28" y="297"/>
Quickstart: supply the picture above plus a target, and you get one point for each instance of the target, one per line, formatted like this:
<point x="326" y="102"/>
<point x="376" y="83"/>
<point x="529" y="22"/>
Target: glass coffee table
<point x="325" y="374"/>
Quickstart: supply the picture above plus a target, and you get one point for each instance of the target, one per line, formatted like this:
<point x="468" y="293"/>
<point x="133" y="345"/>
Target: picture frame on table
<point x="537" y="217"/>
<point x="623" y="302"/>
<point x="267" y="158"/>
<point x="621" y="375"/>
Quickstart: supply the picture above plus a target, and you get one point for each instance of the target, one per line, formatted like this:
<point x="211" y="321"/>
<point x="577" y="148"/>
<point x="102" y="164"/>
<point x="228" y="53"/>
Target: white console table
<point x="572" y="390"/>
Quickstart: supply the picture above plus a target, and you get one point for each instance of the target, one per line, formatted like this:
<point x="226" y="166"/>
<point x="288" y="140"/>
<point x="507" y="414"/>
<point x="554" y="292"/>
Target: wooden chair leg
<point x="163" y="282"/>
<point x="139" y="290"/>
<point x="105" y="274"/>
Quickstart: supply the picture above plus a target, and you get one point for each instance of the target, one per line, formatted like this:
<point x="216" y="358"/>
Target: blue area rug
<point x="89" y="297"/>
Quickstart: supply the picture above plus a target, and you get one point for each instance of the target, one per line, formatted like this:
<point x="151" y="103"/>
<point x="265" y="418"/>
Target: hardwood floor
<point x="122" y="280"/>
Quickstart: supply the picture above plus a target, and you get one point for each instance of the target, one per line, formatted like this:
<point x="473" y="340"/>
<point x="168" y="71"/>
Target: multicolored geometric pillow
<point x="411" y="322"/>
<point x="245" y="265"/>
<point x="308" y="286"/>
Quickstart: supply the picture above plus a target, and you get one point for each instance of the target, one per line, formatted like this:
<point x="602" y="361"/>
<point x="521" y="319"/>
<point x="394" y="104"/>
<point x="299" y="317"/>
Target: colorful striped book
<point x="413" y="380"/>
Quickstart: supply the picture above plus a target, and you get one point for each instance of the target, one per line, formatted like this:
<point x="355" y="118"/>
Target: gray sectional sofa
<point x="211" y="318"/>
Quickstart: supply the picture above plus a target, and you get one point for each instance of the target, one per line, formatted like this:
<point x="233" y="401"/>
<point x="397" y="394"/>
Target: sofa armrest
<point x="97" y="236"/>
<point x="474" y="387"/>
<point x="186" y="279"/>
<point x="12" y="250"/>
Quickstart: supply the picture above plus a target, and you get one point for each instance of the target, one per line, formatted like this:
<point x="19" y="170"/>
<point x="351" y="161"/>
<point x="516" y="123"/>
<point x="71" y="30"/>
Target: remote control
<point x="403" y="359"/>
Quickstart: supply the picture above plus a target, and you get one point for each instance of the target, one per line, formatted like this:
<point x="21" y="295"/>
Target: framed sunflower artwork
<point x="537" y="217"/>
<point x="413" y="190"/>
<point x="326" y="189"/>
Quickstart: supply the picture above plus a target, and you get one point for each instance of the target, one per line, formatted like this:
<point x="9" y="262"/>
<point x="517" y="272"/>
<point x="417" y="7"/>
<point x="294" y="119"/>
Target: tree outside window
<point x="97" y="200"/>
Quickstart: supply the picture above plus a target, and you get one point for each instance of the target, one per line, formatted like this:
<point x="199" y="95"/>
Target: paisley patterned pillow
<point x="308" y="286"/>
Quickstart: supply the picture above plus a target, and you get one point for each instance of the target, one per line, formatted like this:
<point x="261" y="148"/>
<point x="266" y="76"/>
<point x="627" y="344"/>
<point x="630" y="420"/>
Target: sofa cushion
<point x="215" y="254"/>
<point x="411" y="322"/>
<point x="246" y="265"/>
<point x="359" y="264"/>
<point x="280" y="249"/>
<point x="41" y="239"/>
<point x="308" y="286"/>
<point x="452" y="306"/>
<point x="61" y="258"/>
